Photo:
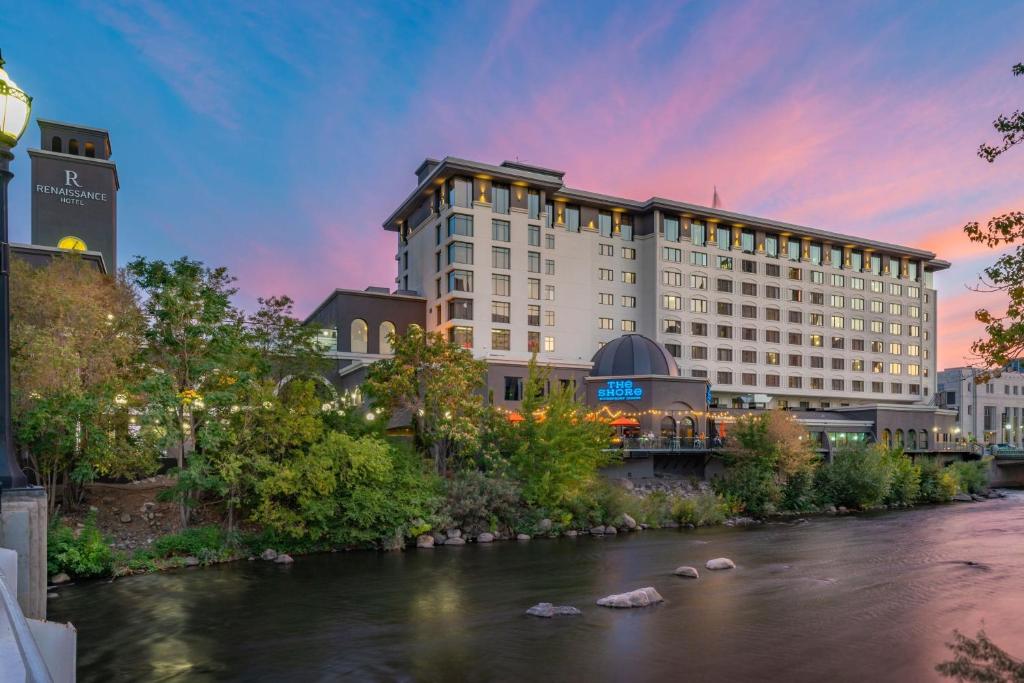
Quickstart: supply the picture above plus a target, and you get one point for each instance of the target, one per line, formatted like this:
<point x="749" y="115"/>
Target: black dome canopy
<point x="633" y="354"/>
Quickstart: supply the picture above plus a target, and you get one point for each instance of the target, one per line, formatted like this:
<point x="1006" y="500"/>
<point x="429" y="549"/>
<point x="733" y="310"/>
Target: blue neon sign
<point x="619" y="390"/>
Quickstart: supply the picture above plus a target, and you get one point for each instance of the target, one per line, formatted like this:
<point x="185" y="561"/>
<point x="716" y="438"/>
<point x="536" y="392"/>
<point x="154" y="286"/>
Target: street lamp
<point x="15" y="107"/>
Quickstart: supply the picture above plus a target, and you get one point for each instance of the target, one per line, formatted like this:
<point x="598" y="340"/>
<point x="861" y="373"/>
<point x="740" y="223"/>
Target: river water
<point x="853" y="598"/>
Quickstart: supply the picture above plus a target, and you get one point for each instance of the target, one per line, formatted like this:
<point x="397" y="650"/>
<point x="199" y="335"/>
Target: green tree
<point x="75" y="335"/>
<point x="556" y="449"/>
<point x="979" y="659"/>
<point x="438" y="387"/>
<point x="1004" y="340"/>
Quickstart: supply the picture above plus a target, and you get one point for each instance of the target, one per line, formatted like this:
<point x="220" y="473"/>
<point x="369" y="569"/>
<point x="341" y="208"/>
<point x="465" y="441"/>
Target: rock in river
<point x="425" y="541"/>
<point x="522" y="537"/>
<point x="268" y="555"/>
<point x="456" y="540"/>
<point x="284" y="558"/>
<point x="485" y="537"/>
<point x="963" y="498"/>
<point x="720" y="563"/>
<point x="611" y="530"/>
<point x="688" y="572"/>
<point x="641" y="597"/>
<point x="596" y="531"/>
<point x="58" y="579"/>
<point x="547" y="610"/>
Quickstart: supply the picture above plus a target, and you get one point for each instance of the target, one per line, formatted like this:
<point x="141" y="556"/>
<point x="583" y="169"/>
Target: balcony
<point x="664" y="444"/>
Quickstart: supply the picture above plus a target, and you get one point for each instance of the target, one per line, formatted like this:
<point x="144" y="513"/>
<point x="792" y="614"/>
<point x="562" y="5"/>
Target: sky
<point x="275" y="137"/>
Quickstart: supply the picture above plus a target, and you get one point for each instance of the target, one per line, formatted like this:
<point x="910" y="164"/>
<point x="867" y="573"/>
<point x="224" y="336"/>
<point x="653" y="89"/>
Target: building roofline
<point x="360" y="292"/>
<point x="514" y="171"/>
<point x="910" y="408"/>
<point x="75" y="126"/>
<point x="53" y="251"/>
<point x="93" y="161"/>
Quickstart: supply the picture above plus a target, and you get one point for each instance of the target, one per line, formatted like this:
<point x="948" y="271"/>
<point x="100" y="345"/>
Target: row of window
<point x="501" y="312"/>
<point x="725" y="331"/>
<point x="770" y="380"/>
<point x="501" y="285"/>
<point x="674" y="278"/>
<point x="796" y="360"/>
<point x="501" y="339"/>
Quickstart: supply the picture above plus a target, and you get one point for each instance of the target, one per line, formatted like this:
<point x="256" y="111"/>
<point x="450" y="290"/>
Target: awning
<point x="515" y="417"/>
<point x="624" y="422"/>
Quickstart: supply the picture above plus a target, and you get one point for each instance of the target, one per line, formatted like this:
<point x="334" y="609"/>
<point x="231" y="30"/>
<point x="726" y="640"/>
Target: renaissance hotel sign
<point x="619" y="390"/>
<point x="72" y="191"/>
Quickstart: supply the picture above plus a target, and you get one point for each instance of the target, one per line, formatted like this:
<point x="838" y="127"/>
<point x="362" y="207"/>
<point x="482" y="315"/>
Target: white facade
<point x="989" y="413"/>
<point x="805" y="327"/>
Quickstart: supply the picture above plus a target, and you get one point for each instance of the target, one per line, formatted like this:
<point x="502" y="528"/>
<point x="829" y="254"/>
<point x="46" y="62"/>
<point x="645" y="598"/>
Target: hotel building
<point x="512" y="261"/>
<point x="991" y="412"/>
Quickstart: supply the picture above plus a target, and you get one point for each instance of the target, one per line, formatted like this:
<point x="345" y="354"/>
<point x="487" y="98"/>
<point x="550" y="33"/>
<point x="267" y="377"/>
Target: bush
<point x="972" y="476"/>
<point x="938" y="484"/>
<point x="905" y="487"/>
<point x="857" y="477"/>
<point x="611" y="501"/>
<point x="655" y="509"/>
<point x="207" y="543"/>
<point x="475" y="502"/>
<point x="705" y="509"/>
<point x="752" y="485"/>
<point x="798" y="491"/>
<point x="83" y="556"/>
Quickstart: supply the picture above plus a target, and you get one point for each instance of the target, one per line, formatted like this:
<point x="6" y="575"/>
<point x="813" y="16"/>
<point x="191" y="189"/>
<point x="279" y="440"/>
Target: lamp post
<point x="15" y="106"/>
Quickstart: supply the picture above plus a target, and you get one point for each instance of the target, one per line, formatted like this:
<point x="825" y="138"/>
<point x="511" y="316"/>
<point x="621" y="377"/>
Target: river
<point x="853" y="598"/>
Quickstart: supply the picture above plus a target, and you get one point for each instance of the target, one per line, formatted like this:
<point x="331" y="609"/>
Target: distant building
<point x="988" y="413"/>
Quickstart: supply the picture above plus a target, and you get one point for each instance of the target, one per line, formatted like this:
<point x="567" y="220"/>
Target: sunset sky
<point x="274" y="138"/>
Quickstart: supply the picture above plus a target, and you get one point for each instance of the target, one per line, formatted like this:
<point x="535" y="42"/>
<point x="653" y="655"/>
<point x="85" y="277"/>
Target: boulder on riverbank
<point x="268" y="555"/>
<point x="641" y="597"/>
<point x="597" y="530"/>
<point x="610" y="530"/>
<point x="687" y="572"/>
<point x="58" y="579"/>
<point x="192" y="561"/>
<point x="720" y="563"/>
<point x="571" y="533"/>
<point x="628" y="522"/>
<point x="455" y="540"/>
<point x="425" y="541"/>
<point x="284" y="558"/>
<point x="485" y="537"/>
<point x="546" y="610"/>
<point x="522" y="537"/>
<point x="544" y="525"/>
<point x="963" y="498"/>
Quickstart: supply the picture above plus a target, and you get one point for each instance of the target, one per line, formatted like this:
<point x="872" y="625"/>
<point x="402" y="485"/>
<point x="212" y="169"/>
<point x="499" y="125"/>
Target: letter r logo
<point x="71" y="177"/>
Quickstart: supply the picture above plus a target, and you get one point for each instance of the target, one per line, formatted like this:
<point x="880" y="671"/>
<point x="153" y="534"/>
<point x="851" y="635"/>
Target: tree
<point x="436" y="385"/>
<point x="979" y="659"/>
<point x="75" y="335"/>
<point x="193" y="342"/>
<point x="557" y="450"/>
<point x="1005" y="333"/>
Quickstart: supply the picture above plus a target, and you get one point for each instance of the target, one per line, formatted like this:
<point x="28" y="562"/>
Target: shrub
<point x="905" y="487"/>
<point x="207" y="543"/>
<point x="611" y="501"/>
<point x="751" y="484"/>
<point x="972" y="476"/>
<point x="705" y="509"/>
<point x="83" y="556"/>
<point x="655" y="509"/>
<point x="798" y="491"/>
<point x="475" y="502"/>
<point x="857" y="477"/>
<point x="938" y="484"/>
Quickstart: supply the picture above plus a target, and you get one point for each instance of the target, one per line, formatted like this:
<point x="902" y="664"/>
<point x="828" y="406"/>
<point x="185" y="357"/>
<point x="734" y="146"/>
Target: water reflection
<point x="851" y="598"/>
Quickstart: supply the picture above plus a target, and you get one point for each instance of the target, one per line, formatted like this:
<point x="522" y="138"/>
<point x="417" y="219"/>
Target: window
<point x="606" y="299"/>
<point x="723" y="285"/>
<point x="747" y="241"/>
<point x="500" y="231"/>
<point x="818" y="298"/>
<point x="460" y="192"/>
<point x="501" y="340"/>
<point x="795" y="382"/>
<point x="675" y="350"/>
<point x="626" y="228"/>
<point x="671" y="229"/>
<point x="549" y="240"/>
<point x="817" y="319"/>
<point x="673" y="278"/>
<point x="771" y="246"/>
<point x="533" y="204"/>
<point x="698" y="258"/>
<point x="549" y="344"/>
<point x="895" y="348"/>
<point x="895" y="309"/>
<point x="723" y="308"/>
<point x="795" y="338"/>
<point x="461" y="336"/>
<point x="748" y="356"/>
<point x="837" y="322"/>
<point x="459" y="224"/>
<point x="698" y="234"/>
<point x="838" y="342"/>
<point x="671" y="326"/>
<point x="724" y="377"/>
<point x="696" y="305"/>
<point x="533" y="235"/>
<point x="772" y="292"/>
<point x="815" y="251"/>
<point x="793" y="250"/>
<point x="817" y="277"/>
<point x="572" y="218"/>
<point x="549" y="292"/>
<point x="796" y="317"/>
<point x="895" y="368"/>
<point x="771" y="380"/>
<point x="876" y="287"/>
<point x="876" y="326"/>
<point x="549" y="318"/>
<point x="628" y="253"/>
<point x="748" y="289"/>
<point x="533" y="261"/>
<point x="914" y="311"/>
<point x="772" y="269"/>
<point x="549" y="215"/>
<point x="771" y="357"/>
<point x="460" y="281"/>
<point x="857" y="365"/>
<point x="533" y="315"/>
<point x="837" y="300"/>
<point x="858" y="385"/>
<point x="605" y="249"/>
<point x="674" y="302"/>
<point x="358" y="336"/>
<point x="724" y="331"/>
<point x="460" y="309"/>
<point x="895" y="289"/>
<point x="749" y="266"/>
<point x="671" y="254"/>
<point x="628" y="301"/>
<point x="796" y="295"/>
<point x="724" y="354"/>
<point x="817" y="362"/>
<point x="629" y="326"/>
<point x="533" y="288"/>
<point x="699" y="352"/>
<point x="724" y="262"/>
<point x="699" y="329"/>
<point x="838" y="364"/>
<point x="501" y="285"/>
<point x="501" y="257"/>
<point x="629" y="277"/>
<point x="817" y="383"/>
<point x="606" y="274"/>
<point x="501" y="312"/>
<point x="549" y="266"/>
<point x="748" y="311"/>
<point x="772" y="314"/>
<point x="460" y="252"/>
<point x="857" y="283"/>
<point x="724" y="238"/>
<point x="385" y="333"/>
<point x="748" y="333"/>
<point x="698" y="281"/>
<point x="895" y="328"/>
<point x="499" y="198"/>
<point x="513" y="388"/>
<point x="605" y="324"/>
<point x="772" y="336"/>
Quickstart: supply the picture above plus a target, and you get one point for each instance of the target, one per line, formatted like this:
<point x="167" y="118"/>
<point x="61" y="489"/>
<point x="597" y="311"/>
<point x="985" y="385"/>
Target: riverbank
<point x="845" y="597"/>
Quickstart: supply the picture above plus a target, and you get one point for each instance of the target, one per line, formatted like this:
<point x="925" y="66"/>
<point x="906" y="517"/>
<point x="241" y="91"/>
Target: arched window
<point x="886" y="438"/>
<point x="386" y="330"/>
<point x="899" y="439"/>
<point x="72" y="146"/>
<point x="668" y="427"/>
<point x="911" y="440"/>
<point x="55" y="144"/>
<point x="358" y="338"/>
<point x="687" y="428"/>
<point x="90" y="149"/>
<point x="924" y="439"/>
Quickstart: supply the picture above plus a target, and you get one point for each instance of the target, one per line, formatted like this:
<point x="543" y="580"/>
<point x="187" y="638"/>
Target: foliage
<point x="347" y="491"/>
<point x="905" y="482"/>
<point x="752" y="484"/>
<point x="207" y="543"/>
<point x="979" y="659"/>
<point x="798" y="492"/>
<point x="938" y="483"/>
<point x="439" y="386"/>
<point x="1005" y="334"/>
<point x="859" y="476"/>
<point x="75" y="334"/>
<point x="476" y="502"/>
<point x="83" y="555"/>
<point x="971" y="476"/>
<point x="705" y="509"/>
<point x="557" y="451"/>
